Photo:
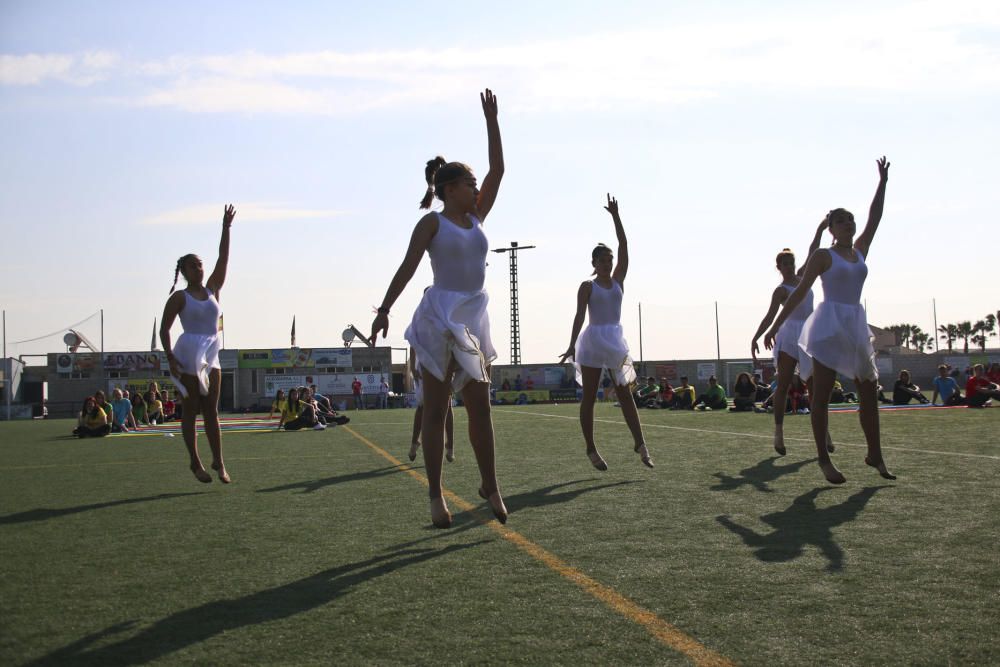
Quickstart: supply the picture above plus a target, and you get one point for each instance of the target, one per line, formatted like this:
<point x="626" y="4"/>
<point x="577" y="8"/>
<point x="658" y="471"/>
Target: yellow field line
<point x="664" y="632"/>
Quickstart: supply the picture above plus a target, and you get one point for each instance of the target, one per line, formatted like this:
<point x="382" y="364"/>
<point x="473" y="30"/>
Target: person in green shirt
<point x="714" y="397"/>
<point x="647" y="392"/>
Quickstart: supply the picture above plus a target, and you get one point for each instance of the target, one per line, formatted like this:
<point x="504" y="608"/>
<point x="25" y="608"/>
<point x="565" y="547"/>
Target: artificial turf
<point x="322" y="551"/>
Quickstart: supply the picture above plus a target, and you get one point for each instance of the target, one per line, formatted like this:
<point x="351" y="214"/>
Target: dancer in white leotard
<point x="602" y="344"/>
<point x="836" y="335"/>
<point x="450" y="330"/>
<point x="787" y="353"/>
<point x="194" y="360"/>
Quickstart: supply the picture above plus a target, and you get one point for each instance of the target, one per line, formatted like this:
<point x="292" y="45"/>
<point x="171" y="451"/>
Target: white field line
<point x="754" y="435"/>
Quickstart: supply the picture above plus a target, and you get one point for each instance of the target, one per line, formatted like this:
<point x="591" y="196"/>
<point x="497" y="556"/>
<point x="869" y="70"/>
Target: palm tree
<point x="915" y="334"/>
<point x="990" y="325"/>
<point x="965" y="331"/>
<point x="949" y="333"/>
<point x="920" y="341"/>
<point x="979" y="334"/>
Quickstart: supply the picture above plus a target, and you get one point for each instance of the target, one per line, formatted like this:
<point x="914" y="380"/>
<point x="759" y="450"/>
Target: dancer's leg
<point x="812" y="393"/>
<point x="823" y="378"/>
<point x="476" y="397"/>
<point x="632" y="419"/>
<point x="418" y="418"/>
<point x="868" y="416"/>
<point x="591" y="377"/>
<point x="436" y="395"/>
<point x="449" y="434"/>
<point x="786" y="370"/>
<point x="192" y="404"/>
<point x="210" y="411"/>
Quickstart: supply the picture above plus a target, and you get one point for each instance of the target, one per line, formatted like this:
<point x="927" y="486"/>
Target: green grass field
<point x="322" y="550"/>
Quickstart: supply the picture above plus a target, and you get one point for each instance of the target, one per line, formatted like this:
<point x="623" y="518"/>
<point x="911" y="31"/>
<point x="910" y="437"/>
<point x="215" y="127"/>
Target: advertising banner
<point x="254" y="359"/>
<point x="77" y="363"/>
<point x="228" y="360"/>
<point x="706" y="371"/>
<point x="296" y="357"/>
<point x="553" y="375"/>
<point x="563" y="395"/>
<point x="668" y="371"/>
<point x="134" y="361"/>
<point x="272" y="383"/>
<point x="341" y="357"/>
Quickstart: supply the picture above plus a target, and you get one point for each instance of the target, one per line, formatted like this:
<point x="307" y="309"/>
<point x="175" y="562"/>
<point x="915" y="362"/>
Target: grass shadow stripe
<point x="661" y="630"/>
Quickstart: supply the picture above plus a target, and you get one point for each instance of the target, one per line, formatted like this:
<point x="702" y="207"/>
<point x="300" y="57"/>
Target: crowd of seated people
<point x="980" y="390"/>
<point x="303" y="408"/>
<point x="124" y="413"/>
<point x="92" y="421"/>
<point x="714" y="397"/>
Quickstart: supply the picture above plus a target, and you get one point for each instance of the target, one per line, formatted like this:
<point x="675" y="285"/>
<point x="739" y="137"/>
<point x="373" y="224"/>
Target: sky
<point x="726" y="130"/>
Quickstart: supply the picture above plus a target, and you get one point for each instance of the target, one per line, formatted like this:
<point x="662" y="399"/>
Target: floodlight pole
<point x="515" y="320"/>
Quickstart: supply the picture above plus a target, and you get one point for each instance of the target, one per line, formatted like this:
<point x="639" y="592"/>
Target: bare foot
<point x="779" y="441"/>
<point x="440" y="516"/>
<point x="201" y="474"/>
<point x="644" y="455"/>
<point x="596" y="459"/>
<point x="449" y="453"/>
<point x="413" y="451"/>
<point x="223" y="475"/>
<point x="880" y="466"/>
<point x="496" y="504"/>
<point x="831" y="473"/>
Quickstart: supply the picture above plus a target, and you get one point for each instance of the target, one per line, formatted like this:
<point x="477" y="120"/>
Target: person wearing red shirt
<point x="359" y="401"/>
<point x="979" y="390"/>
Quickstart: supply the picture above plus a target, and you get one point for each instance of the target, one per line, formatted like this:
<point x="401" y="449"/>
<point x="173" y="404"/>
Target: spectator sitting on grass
<point x="122" y="418"/>
<point x="979" y="390"/>
<point x="299" y="414"/>
<point x="666" y="396"/>
<point x="905" y="391"/>
<point x="104" y="404"/>
<point x="646" y="394"/>
<point x="683" y="396"/>
<point x="744" y="393"/>
<point x="763" y="390"/>
<point x="798" y="396"/>
<point x="714" y="397"/>
<point x="92" y="422"/>
<point x="947" y="388"/>
<point x="169" y="407"/>
<point x="278" y="404"/>
<point x="139" y="409"/>
<point x="154" y="407"/>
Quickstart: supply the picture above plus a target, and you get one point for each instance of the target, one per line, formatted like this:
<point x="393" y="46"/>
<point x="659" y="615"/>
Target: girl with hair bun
<point x="602" y="344"/>
<point x="787" y="353"/>
<point x="450" y="330"/>
<point x="836" y="335"/>
<point x="194" y="360"/>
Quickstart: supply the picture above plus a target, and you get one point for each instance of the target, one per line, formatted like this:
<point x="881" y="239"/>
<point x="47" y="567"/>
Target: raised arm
<point x="777" y="298"/>
<point x="864" y="241"/>
<point x="818" y="263"/>
<point x="582" y="299"/>
<point x="170" y="312"/>
<point x="814" y="245"/>
<point x="621" y="265"/>
<point x="219" y="274"/>
<point x="420" y="240"/>
<point x="491" y="183"/>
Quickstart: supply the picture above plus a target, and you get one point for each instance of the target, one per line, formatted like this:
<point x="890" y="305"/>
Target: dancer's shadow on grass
<point x="198" y="624"/>
<point x="45" y="513"/>
<point x="309" y="486"/>
<point x="758" y="475"/>
<point x="803" y="524"/>
<point x="545" y="496"/>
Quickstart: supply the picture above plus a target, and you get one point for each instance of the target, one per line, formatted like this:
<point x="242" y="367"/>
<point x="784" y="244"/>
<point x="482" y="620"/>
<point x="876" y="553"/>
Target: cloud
<point x="80" y="70"/>
<point x="248" y="212"/>
<point x="921" y="46"/>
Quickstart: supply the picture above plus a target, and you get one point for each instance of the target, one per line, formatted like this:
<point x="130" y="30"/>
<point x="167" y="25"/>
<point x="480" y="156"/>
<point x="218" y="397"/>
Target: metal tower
<point x="515" y="320"/>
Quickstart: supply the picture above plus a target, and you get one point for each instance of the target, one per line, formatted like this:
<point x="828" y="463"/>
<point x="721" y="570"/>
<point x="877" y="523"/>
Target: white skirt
<point x="837" y="336"/>
<point x="787" y="341"/>
<point x="453" y="325"/>
<point x="196" y="354"/>
<point x="603" y="346"/>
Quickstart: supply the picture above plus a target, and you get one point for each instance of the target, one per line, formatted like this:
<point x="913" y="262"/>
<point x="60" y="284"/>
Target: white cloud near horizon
<point x="249" y="212"/>
<point x="929" y="45"/>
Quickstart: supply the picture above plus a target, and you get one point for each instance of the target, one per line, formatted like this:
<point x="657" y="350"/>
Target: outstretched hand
<point x="570" y="352"/>
<point x="381" y="323"/>
<point x="754" y="349"/>
<point x="228" y="213"/>
<point x="883" y="169"/>
<point x="489" y="101"/>
<point x="769" y="339"/>
<point x="612" y="206"/>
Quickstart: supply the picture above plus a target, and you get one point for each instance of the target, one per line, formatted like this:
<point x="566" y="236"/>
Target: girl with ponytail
<point x="787" y="353"/>
<point x="450" y="330"/>
<point x="194" y="360"/>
